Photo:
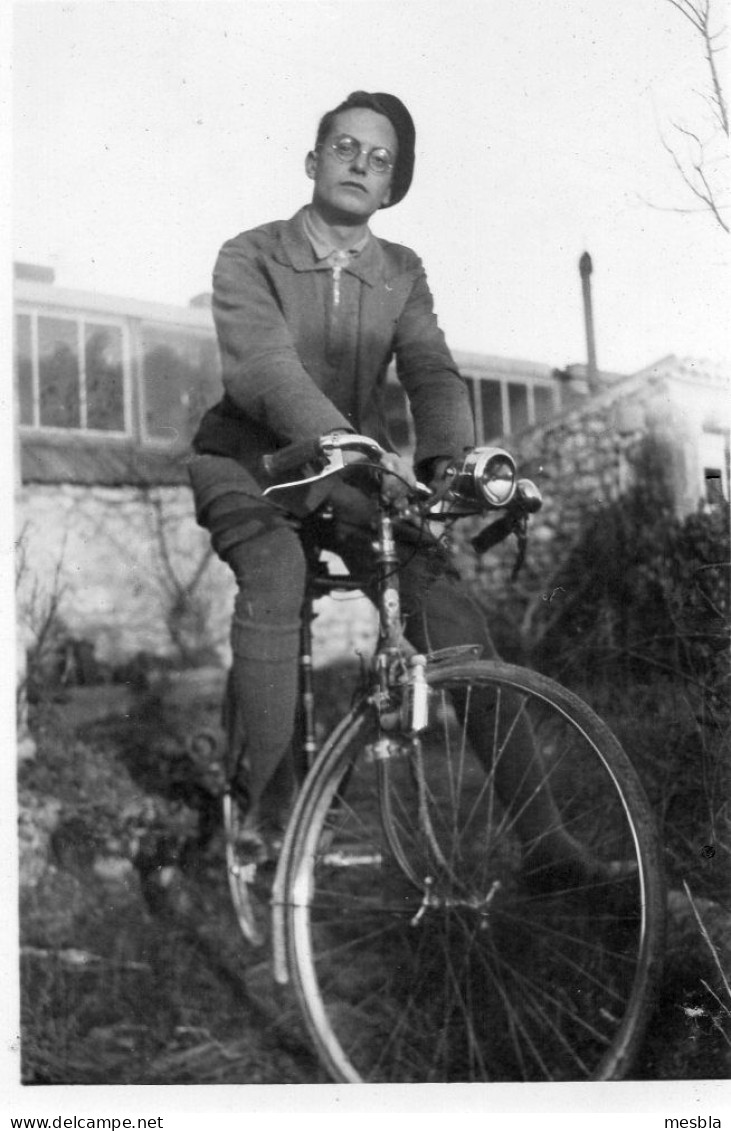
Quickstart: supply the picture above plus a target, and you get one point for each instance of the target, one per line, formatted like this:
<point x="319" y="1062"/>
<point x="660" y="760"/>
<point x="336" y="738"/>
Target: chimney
<point x="585" y="270"/>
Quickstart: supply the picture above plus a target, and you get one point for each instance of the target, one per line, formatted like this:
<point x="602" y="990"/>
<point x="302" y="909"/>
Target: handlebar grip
<point x="496" y="532"/>
<point x="291" y="457"/>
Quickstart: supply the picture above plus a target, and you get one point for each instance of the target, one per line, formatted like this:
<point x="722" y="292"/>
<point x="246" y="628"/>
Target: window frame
<point x="81" y="319"/>
<point x="713" y="454"/>
<point x="504" y="382"/>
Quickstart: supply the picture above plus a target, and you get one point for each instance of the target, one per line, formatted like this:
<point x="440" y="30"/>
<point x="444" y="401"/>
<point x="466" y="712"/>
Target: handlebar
<point x="290" y="458"/>
<point x="317" y="450"/>
<point x="484" y="481"/>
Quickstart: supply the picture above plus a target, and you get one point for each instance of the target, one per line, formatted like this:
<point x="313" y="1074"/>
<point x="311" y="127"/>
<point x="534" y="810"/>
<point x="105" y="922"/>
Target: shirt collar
<point x="295" y="249"/>
<point x="324" y="248"/>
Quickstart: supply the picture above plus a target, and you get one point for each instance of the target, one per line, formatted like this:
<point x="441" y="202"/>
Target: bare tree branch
<point x="692" y="11"/>
<point x="698" y="12"/>
<point x="700" y="187"/>
<point x="694" y="169"/>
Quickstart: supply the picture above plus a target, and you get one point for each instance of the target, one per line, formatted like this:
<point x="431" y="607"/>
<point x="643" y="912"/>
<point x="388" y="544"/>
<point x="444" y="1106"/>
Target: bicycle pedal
<point x="384" y="749"/>
<point x="244" y="872"/>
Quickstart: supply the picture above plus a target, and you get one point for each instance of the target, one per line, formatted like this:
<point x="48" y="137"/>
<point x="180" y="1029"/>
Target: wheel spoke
<point x="431" y="958"/>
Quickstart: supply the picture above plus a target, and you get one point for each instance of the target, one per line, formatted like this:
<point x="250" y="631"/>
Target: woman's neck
<point x="336" y="230"/>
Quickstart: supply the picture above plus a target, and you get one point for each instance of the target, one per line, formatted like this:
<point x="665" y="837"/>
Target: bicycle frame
<point x="391" y="642"/>
<point x="392" y="649"/>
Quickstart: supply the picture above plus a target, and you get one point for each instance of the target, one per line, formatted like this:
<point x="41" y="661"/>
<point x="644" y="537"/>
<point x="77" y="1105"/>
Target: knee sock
<point x="270" y="572"/>
<point x="264" y="697"/>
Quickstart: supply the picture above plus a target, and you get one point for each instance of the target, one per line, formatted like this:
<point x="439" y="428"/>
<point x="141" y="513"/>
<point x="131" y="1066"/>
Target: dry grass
<point x="163" y="997"/>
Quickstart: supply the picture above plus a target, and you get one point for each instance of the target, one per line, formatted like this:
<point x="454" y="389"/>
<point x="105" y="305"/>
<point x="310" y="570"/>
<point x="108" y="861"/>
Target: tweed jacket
<point x="275" y="365"/>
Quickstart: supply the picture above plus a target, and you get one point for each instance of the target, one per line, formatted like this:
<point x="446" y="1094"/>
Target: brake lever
<point x="334" y="461"/>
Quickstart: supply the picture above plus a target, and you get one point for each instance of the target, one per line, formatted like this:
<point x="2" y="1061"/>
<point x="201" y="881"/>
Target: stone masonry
<point x="131" y="572"/>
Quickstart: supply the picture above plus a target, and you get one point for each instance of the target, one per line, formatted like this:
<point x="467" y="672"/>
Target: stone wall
<point x="129" y="571"/>
<point x="581" y="461"/>
<point x="119" y="562"/>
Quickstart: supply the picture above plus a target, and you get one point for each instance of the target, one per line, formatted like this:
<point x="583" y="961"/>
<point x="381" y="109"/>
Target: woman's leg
<point x="262" y="547"/>
<point x="270" y="574"/>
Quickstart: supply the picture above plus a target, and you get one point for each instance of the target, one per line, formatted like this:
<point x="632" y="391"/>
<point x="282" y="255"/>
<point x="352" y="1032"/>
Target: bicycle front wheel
<point x="426" y="940"/>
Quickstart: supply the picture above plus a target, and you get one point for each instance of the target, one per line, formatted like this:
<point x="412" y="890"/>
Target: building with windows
<point x="109" y="392"/>
<point x="508" y="396"/>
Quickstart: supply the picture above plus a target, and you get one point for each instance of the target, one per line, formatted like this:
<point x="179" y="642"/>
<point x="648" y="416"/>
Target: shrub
<point x="641" y="629"/>
<point x="642" y="591"/>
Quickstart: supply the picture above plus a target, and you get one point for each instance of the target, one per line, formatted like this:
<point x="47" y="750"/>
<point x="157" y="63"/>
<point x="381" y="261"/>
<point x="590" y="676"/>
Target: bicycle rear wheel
<point x="418" y="947"/>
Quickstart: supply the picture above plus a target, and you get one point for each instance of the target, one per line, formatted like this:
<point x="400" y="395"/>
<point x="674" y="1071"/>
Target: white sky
<point x="147" y="133"/>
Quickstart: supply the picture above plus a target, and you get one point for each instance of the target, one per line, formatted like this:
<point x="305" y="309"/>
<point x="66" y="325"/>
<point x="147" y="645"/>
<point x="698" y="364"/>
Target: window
<point x="491" y="405"/>
<point x="502" y="406"/>
<point x="59" y="380"/>
<point x="70" y="373"/>
<point x="518" y="404"/>
<point x="714" y="485"/>
<point x="104" y="377"/>
<point x="714" y="465"/>
<point x="180" y="380"/>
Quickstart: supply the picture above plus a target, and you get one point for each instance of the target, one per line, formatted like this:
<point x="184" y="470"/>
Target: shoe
<point x="247" y="907"/>
<point x="246" y="854"/>
<point x="260" y="835"/>
<point x="260" y="844"/>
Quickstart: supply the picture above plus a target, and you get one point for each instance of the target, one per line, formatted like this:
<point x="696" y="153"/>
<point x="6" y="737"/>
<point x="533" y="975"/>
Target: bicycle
<point x="400" y="914"/>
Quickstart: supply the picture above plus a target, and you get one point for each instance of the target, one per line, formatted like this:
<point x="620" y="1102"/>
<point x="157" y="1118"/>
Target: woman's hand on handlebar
<point x="400" y="481"/>
<point x="351" y="450"/>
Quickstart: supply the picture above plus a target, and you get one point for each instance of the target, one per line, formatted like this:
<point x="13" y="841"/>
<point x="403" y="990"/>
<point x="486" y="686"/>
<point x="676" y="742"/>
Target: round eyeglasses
<point x="379" y="160"/>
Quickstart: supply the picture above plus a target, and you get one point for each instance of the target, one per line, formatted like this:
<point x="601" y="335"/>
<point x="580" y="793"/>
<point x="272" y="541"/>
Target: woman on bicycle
<point x="309" y="313"/>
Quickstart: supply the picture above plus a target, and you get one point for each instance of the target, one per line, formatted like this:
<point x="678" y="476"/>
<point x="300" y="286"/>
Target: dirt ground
<point x="132" y="967"/>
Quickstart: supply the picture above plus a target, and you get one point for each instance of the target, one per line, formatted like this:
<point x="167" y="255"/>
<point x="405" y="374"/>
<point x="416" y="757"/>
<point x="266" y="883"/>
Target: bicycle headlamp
<point x="488" y="475"/>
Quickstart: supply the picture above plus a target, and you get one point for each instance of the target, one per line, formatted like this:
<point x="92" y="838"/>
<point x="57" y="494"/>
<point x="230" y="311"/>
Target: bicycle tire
<point x="470" y="973"/>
